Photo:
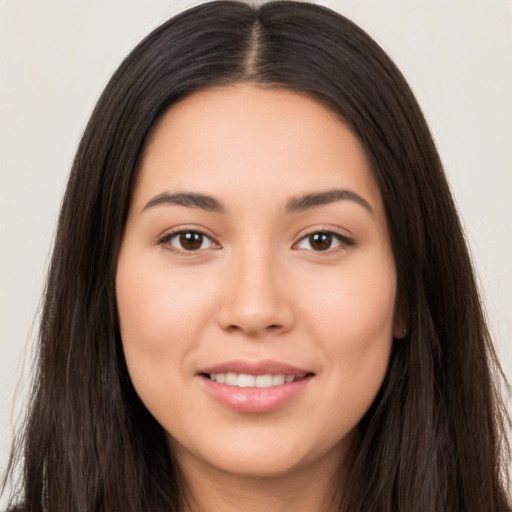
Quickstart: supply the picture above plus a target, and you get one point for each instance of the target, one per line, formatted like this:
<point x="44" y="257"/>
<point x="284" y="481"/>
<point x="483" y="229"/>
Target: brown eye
<point x="191" y="241"/>
<point x="188" y="241"/>
<point x="320" y="241"/>
<point x="323" y="241"/>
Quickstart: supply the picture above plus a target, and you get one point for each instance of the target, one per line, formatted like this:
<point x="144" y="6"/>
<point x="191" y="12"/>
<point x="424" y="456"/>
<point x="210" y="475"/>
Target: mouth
<point x="246" y="380"/>
<point x="255" y="387"/>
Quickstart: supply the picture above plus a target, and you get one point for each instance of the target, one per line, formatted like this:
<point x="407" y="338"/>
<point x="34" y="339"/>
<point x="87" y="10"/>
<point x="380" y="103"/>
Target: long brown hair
<point x="433" y="440"/>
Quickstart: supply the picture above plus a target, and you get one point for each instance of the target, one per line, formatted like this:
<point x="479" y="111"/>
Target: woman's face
<point x="256" y="284"/>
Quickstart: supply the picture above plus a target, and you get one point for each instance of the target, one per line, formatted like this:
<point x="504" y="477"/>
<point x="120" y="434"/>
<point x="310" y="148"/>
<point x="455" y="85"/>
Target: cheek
<point x="351" y="320"/>
<point x="355" y="307"/>
<point x="160" y="325"/>
<point x="155" y="303"/>
<point x="160" y="315"/>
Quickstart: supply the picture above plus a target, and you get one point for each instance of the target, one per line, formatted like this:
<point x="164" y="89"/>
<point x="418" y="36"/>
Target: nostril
<point x="269" y="328"/>
<point x="254" y="317"/>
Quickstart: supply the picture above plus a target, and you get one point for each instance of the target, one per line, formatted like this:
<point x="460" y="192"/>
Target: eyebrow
<point x="307" y="201"/>
<point x="188" y="199"/>
<point x="294" y="205"/>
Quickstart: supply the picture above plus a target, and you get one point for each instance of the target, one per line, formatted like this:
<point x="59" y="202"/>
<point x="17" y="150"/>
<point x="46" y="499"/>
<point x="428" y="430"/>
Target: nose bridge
<point x="255" y="270"/>
<point x="255" y="299"/>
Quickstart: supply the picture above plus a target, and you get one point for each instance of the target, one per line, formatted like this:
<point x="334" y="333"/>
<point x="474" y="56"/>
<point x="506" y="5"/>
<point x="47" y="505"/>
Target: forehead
<point x="252" y="139"/>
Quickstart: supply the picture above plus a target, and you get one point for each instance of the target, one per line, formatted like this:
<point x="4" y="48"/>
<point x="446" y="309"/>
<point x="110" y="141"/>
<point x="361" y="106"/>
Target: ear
<point x="401" y="329"/>
<point x="400" y="332"/>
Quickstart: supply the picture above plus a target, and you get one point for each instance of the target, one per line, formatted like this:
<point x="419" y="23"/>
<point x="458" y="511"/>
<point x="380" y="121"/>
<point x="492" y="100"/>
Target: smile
<point x="244" y="380"/>
<point x="255" y="387"/>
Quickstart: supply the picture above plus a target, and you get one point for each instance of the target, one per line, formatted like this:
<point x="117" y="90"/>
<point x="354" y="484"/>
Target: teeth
<point x="243" y="380"/>
<point x="278" y="380"/>
<point x="263" y="381"/>
<point x="246" y="381"/>
<point x="231" y="379"/>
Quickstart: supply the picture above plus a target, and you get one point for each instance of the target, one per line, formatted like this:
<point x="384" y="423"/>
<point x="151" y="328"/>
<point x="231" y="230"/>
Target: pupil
<point x="191" y="240"/>
<point x="320" y="241"/>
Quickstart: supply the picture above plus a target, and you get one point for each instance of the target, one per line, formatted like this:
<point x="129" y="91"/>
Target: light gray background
<point x="56" y="56"/>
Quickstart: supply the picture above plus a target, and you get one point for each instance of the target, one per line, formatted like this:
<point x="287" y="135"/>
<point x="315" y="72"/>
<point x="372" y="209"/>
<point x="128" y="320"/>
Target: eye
<point x="188" y="241"/>
<point x="321" y="241"/>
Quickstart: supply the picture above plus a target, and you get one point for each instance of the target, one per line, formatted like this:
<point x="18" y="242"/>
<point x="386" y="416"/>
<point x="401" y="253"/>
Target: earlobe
<point x="401" y="332"/>
<point x="401" y="319"/>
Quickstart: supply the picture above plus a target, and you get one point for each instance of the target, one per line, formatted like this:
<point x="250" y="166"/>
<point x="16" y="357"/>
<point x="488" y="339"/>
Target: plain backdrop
<point x="56" y="57"/>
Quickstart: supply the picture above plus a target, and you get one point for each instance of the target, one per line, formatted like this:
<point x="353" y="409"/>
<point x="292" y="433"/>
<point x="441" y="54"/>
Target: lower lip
<point x="255" y="400"/>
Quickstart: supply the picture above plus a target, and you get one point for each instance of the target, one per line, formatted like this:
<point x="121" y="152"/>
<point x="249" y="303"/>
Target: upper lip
<point x="264" y="367"/>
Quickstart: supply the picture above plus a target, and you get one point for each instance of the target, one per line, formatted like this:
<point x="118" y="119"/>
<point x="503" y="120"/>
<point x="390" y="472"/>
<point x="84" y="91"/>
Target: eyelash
<point x="342" y="241"/>
<point x="166" y="241"/>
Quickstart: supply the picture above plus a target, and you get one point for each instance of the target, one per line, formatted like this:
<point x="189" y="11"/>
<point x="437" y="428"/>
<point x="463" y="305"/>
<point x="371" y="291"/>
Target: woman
<point x="266" y="300"/>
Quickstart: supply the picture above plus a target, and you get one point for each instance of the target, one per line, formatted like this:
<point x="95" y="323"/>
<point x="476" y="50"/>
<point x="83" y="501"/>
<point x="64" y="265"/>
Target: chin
<point x="261" y="457"/>
<point x="260" y="465"/>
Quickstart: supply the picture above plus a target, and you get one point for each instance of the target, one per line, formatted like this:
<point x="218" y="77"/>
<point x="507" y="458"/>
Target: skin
<point x="257" y="288"/>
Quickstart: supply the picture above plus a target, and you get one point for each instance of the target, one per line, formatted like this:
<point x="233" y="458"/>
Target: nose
<point x="255" y="298"/>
